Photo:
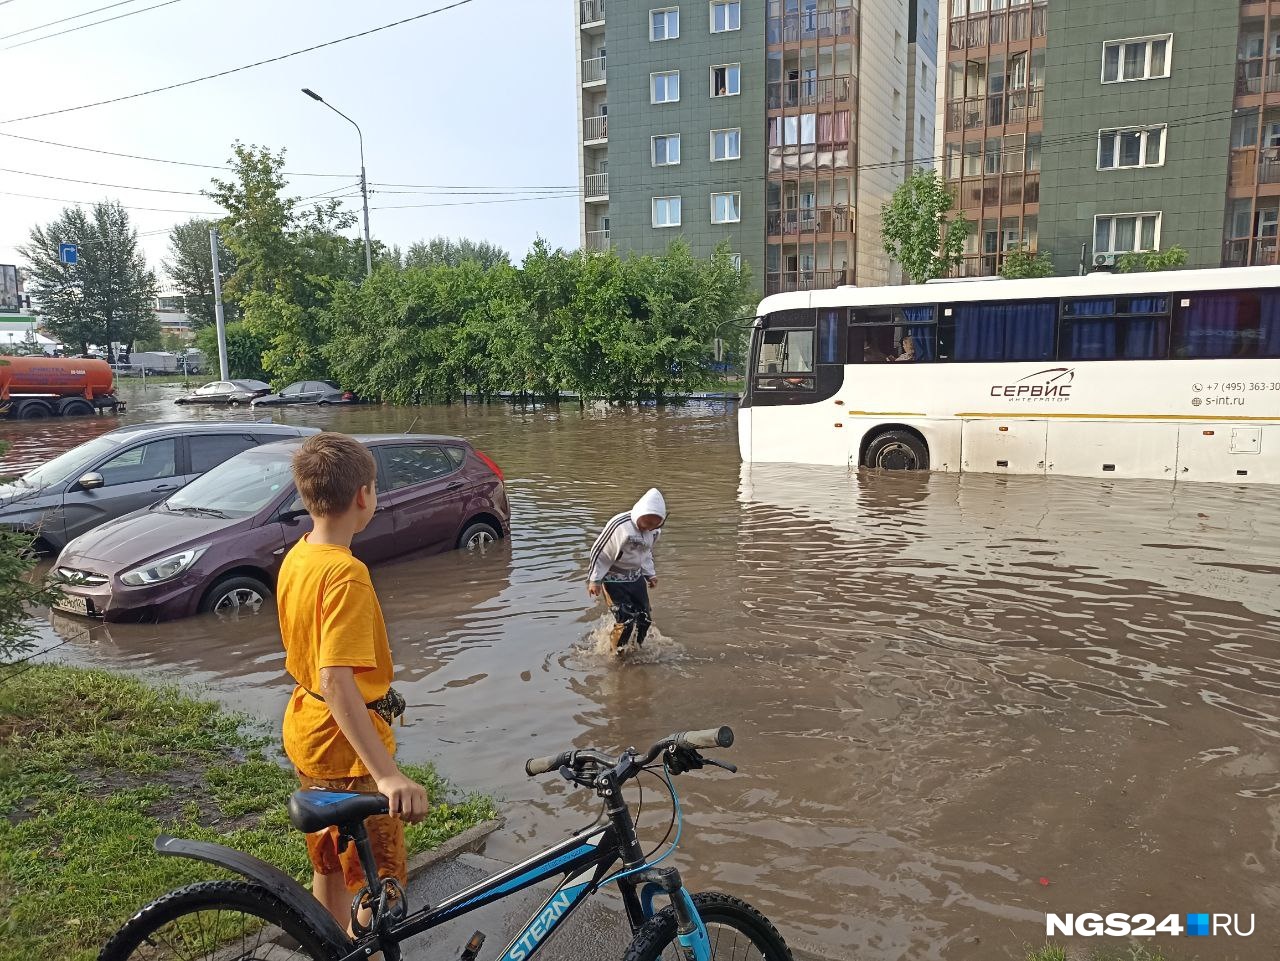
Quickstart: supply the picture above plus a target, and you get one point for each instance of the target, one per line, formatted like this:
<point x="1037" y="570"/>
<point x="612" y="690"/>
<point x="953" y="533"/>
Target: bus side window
<point x="1241" y="323"/>
<point x="898" y="335"/>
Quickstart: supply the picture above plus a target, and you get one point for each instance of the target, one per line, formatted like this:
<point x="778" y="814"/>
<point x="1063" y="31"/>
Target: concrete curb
<point x="468" y="842"/>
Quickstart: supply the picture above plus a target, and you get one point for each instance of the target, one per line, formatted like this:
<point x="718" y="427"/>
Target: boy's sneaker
<point x="615" y="635"/>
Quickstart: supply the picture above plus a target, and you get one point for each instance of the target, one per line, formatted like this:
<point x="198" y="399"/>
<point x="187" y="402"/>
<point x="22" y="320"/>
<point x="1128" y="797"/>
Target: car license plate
<point x="73" y="604"/>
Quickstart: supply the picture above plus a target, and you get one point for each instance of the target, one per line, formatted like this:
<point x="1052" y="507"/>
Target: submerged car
<point x="217" y="544"/>
<point x="229" y="392"/>
<point x="120" y="471"/>
<point x="321" y="392"/>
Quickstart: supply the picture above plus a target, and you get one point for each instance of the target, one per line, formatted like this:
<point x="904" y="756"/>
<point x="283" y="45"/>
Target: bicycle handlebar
<point x="685" y="740"/>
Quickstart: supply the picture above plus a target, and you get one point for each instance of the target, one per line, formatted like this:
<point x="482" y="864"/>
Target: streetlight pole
<point x="364" y="183"/>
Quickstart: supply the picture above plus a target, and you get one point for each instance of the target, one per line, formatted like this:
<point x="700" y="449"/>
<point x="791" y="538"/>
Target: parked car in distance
<point x="322" y="392"/>
<point x="230" y="392"/>
<point x="120" y="471"/>
<point x="217" y="544"/>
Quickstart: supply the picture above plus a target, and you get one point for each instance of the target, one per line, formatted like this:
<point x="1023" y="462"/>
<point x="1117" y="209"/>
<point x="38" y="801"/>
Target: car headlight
<point x="164" y="569"/>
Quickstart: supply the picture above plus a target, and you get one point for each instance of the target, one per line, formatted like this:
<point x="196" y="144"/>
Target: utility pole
<point x="223" y="371"/>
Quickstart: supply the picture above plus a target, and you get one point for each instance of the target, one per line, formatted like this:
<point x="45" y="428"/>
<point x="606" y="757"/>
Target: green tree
<point x="1022" y="264"/>
<point x="109" y="295"/>
<point x="244" y="351"/>
<point x="1171" y="259"/>
<point x="918" y="231"/>
<point x="190" y="269"/>
<point x="444" y="252"/>
<point x="257" y="223"/>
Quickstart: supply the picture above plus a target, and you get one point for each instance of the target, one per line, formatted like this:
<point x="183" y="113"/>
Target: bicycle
<point x="283" y="917"/>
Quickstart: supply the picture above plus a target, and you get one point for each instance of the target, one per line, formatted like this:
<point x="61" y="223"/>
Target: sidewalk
<point x="595" y="932"/>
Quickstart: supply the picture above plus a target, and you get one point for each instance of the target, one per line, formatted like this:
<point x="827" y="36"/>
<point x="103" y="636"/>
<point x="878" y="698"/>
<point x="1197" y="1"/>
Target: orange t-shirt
<point x="329" y="617"/>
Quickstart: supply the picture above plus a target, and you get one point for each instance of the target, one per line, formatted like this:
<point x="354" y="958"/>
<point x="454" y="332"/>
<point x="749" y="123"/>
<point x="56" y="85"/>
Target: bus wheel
<point x="896" y="450"/>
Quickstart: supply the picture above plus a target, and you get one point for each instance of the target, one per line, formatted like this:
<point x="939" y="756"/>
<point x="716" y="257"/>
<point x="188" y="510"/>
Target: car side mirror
<point x="91" y="481"/>
<point x="292" y="517"/>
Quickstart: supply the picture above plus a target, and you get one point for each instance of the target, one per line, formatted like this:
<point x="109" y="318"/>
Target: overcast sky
<point x="477" y="98"/>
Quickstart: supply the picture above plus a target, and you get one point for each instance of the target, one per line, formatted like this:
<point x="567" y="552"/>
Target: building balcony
<point x="783" y="94"/>
<point x="995" y="110"/>
<point x="998" y="28"/>
<point x="591" y="13"/>
<point x="997" y="190"/>
<point x="1257" y="76"/>
<point x="810" y="220"/>
<point x="1252" y="167"/>
<point x="810" y="25"/>
<point x="595" y="130"/>
<point x="1252" y="252"/>
<point x="782" y="283"/>
<point x="593" y="72"/>
<point x="596" y="188"/>
<point x="598" y="240"/>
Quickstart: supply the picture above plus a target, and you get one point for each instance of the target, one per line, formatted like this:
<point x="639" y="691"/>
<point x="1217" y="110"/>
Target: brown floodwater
<point x="947" y="690"/>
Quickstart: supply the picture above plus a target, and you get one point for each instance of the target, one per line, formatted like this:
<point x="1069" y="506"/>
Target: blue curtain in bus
<point x="1005" y="331"/>
<point x="1212" y="325"/>
<point x="922" y="332"/>
<point x="1092" y="339"/>
<point x="1270" y="326"/>
<point x="1097" y="334"/>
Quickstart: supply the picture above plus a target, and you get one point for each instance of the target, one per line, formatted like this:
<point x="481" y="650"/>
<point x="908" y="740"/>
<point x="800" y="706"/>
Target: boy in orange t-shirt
<point x="337" y="651"/>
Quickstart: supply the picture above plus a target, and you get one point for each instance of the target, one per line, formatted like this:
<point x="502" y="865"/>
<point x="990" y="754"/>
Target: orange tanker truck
<point x="37" y="387"/>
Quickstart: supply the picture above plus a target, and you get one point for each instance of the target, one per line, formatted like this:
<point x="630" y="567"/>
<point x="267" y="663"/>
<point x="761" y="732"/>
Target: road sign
<point x="69" y="254"/>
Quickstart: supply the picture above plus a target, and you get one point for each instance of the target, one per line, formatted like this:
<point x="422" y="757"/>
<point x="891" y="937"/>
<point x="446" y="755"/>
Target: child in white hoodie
<point x="622" y="566"/>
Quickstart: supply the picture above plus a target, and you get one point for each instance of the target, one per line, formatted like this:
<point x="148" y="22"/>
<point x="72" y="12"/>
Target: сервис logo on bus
<point x="1053" y="384"/>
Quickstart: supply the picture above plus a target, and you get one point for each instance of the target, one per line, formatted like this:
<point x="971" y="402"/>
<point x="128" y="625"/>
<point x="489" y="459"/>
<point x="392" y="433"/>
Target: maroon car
<point x="216" y="545"/>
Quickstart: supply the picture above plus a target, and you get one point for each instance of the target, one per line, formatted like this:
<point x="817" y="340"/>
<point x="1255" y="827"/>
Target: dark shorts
<point x="629" y="601"/>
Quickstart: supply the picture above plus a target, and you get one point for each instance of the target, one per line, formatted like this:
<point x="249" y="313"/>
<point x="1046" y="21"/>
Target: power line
<point x="64" y="200"/>
<point x="96" y="183"/>
<point x="473" y="203"/>
<point x="75" y="16"/>
<point x="158" y="160"/>
<point x="86" y="26"/>
<point x="248" y="66"/>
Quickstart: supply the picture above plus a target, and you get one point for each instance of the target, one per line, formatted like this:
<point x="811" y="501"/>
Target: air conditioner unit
<point x="1104" y="260"/>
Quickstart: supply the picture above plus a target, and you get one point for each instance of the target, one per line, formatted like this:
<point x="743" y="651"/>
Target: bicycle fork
<point x="695" y="945"/>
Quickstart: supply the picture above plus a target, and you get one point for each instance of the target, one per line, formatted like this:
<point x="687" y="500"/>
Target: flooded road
<point x="960" y="702"/>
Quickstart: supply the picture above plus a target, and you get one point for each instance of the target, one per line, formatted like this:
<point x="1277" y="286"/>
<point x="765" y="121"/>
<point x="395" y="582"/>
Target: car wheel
<point x="235" y="597"/>
<point x="478" y="536"/>
<point x="233" y="403"/>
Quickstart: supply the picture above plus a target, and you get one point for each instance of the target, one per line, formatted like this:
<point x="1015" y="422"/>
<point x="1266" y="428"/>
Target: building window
<point x="736" y="259"/>
<point x="664" y="87"/>
<point x="726" y="144"/>
<point x="1127" y="147"/>
<point x="666" y="211"/>
<point x="726" y="208"/>
<point x="1126" y="233"/>
<point x="726" y="16"/>
<point x="1142" y="58"/>
<point x="664" y="24"/>
<point x="665" y="150"/>
<point x="726" y="80"/>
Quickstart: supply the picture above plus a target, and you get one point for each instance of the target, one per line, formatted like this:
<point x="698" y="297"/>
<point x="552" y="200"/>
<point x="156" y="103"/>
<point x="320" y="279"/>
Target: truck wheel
<point x="75" y="407"/>
<point x="34" y="410"/>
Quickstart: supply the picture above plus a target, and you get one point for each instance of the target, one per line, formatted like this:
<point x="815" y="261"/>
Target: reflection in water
<point x="945" y="688"/>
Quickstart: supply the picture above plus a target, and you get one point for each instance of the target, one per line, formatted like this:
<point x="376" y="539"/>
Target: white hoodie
<point x="623" y="552"/>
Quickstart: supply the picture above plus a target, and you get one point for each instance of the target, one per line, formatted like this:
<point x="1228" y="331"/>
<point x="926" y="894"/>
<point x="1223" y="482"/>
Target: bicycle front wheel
<point x="737" y="931"/>
<point x="215" y="921"/>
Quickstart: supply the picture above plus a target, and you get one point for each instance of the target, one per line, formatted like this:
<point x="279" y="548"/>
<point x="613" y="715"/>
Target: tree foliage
<point x="190" y="269"/>
<point x="244" y="350"/>
<point x="109" y="295"/>
<point x="1022" y="264"/>
<point x="598" y="325"/>
<point x="444" y="252"/>
<point x="918" y="231"/>
<point x="1171" y="259"/>
<point x="19" y="591"/>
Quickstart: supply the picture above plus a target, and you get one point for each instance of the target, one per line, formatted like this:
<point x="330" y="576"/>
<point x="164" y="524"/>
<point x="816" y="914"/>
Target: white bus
<point x="1174" y="374"/>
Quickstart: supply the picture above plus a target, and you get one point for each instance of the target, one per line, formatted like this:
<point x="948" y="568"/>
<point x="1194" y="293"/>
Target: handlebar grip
<point x="712" y="737"/>
<point x="541" y="765"/>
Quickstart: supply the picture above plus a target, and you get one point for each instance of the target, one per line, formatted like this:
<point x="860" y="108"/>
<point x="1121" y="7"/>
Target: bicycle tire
<point x="657" y="938"/>
<point x="137" y="940"/>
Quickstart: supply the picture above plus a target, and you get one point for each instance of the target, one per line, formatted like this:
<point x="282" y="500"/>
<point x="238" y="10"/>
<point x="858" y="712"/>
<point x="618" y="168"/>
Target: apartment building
<point x="1089" y="129"/>
<point x="778" y="126"/>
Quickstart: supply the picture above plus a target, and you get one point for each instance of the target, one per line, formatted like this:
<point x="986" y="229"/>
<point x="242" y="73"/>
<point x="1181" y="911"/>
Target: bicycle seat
<point x="317" y="809"/>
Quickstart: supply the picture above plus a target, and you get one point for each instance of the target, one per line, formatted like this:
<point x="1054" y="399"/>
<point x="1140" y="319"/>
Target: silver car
<point x="120" y="472"/>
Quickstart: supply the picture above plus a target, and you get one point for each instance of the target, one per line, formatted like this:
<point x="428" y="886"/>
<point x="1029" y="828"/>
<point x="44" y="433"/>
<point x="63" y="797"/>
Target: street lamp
<point x="364" y="184"/>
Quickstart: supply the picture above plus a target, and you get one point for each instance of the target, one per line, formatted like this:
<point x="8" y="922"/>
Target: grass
<point x="1135" y="952"/>
<point x="94" y="765"/>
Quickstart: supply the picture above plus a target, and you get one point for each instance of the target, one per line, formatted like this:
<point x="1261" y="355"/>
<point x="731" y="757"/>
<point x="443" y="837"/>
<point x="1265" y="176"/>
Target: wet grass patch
<point x="95" y="765"/>
<point x="1134" y="952"/>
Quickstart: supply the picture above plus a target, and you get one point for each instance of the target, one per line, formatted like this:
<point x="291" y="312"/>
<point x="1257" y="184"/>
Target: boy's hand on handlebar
<point x="406" y="799"/>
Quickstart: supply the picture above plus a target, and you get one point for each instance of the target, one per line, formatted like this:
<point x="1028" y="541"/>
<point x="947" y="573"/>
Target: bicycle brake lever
<point x="732" y="769"/>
